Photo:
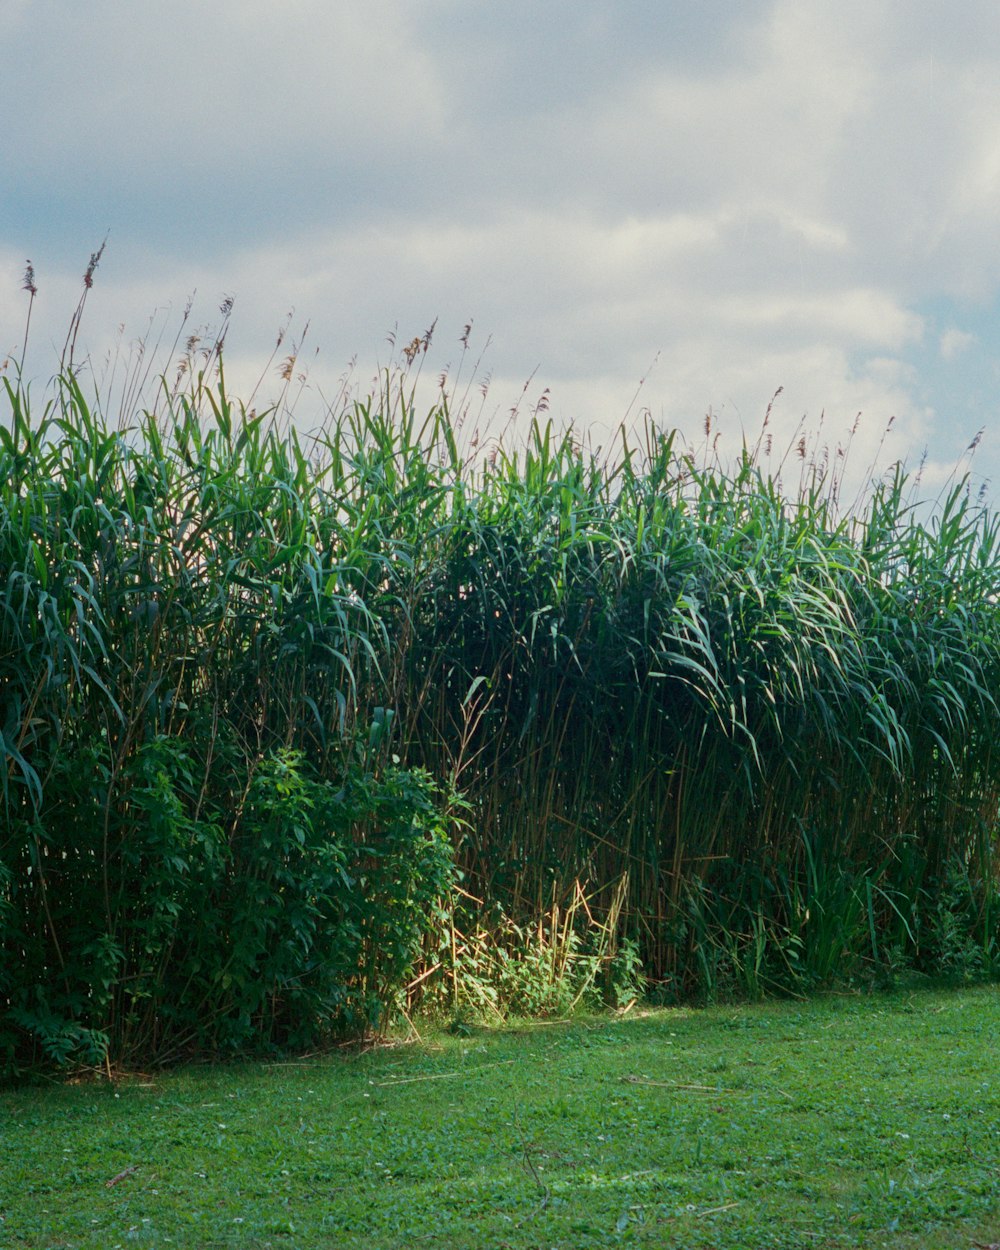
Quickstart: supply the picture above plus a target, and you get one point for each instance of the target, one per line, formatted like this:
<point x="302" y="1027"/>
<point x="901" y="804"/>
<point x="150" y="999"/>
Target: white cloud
<point x="954" y="342"/>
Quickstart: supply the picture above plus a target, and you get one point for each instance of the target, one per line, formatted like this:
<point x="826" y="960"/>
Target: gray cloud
<point x="766" y="193"/>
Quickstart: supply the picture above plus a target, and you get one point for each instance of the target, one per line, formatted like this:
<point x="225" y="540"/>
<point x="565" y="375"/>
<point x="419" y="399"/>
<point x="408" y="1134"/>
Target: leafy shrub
<point x="962" y="926"/>
<point x="164" y="929"/>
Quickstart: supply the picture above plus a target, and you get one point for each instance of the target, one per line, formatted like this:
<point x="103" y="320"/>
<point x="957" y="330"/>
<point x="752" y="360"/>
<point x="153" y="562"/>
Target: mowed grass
<point x="846" y="1121"/>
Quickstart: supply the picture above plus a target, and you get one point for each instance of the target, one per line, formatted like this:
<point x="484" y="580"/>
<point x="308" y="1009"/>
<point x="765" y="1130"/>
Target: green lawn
<point x="847" y="1121"/>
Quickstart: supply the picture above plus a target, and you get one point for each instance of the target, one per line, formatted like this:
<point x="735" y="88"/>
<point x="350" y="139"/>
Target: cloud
<point x="766" y="193"/>
<point x="954" y="342"/>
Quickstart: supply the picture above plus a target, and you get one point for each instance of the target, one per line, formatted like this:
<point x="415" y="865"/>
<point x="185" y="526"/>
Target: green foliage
<point x="231" y="662"/>
<point x="268" y="919"/>
<point x="565" y="958"/>
<point x="963" y="938"/>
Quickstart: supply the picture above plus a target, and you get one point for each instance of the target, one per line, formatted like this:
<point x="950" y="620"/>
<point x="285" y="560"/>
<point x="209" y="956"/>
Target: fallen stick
<point x="715" y="1210"/>
<point x="121" y="1176"/>
<point x="695" y="1089"/>
<point x="442" y="1076"/>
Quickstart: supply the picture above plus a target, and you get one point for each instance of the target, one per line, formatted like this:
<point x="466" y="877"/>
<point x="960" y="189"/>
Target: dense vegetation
<point x="261" y="695"/>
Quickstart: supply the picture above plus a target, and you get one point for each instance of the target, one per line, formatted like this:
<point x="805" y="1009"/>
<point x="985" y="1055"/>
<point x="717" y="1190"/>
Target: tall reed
<point x="773" y="720"/>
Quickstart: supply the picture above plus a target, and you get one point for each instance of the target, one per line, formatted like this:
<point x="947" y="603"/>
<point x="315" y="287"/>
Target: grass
<point x="849" y="1121"/>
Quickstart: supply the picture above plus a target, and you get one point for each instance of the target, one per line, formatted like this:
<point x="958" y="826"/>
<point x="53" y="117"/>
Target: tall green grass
<point x="758" y="731"/>
<point x="203" y="846"/>
<point x="776" y="721"/>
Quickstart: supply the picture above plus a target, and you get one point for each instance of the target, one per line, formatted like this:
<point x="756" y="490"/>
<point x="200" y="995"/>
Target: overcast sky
<point x="752" y="194"/>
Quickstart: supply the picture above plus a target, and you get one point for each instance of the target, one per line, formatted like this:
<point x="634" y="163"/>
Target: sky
<point x="680" y="206"/>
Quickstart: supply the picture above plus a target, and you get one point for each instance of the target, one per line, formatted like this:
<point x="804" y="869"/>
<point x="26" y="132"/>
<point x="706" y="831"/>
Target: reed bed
<point x="757" y="732"/>
<point x="777" y="723"/>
